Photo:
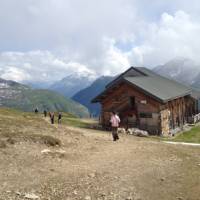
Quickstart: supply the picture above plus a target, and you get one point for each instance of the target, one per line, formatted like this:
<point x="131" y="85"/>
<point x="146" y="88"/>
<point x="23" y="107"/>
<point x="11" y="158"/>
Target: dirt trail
<point x="94" y="167"/>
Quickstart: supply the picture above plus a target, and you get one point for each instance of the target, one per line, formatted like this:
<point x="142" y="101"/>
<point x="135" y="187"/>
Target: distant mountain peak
<point x="180" y="59"/>
<point x="74" y="82"/>
<point x="81" y="74"/>
<point x="8" y="83"/>
<point x="181" y="69"/>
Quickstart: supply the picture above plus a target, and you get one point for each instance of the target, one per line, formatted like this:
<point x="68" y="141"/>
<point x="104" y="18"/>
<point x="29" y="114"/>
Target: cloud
<point x="50" y="39"/>
<point x="53" y="24"/>
<point x="37" y="66"/>
<point x="13" y="73"/>
<point x="172" y="36"/>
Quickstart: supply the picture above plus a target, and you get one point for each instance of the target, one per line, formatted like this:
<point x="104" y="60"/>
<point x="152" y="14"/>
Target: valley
<point x="16" y="95"/>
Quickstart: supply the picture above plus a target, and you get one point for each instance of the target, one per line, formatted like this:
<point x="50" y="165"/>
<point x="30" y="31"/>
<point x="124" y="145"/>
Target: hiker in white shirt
<point x="115" y="120"/>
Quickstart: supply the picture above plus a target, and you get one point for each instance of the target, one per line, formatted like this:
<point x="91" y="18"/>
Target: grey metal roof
<point x="159" y="87"/>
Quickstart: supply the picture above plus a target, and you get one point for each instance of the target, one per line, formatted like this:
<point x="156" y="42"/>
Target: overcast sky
<point x="45" y="40"/>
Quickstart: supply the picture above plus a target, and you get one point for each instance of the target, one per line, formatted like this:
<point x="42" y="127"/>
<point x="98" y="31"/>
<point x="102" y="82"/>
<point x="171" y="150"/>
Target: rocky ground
<point x="88" y="165"/>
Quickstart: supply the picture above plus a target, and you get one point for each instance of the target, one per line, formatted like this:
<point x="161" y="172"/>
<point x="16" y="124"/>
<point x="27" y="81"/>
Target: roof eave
<point x="99" y="97"/>
<point x="176" y="97"/>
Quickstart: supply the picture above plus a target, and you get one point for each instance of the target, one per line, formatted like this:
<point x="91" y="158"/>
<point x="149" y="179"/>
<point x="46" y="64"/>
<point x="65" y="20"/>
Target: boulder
<point x="137" y="132"/>
<point x="121" y="130"/>
<point x="88" y="197"/>
<point x="31" y="196"/>
<point x="141" y="133"/>
<point x="46" y="151"/>
<point x="131" y="131"/>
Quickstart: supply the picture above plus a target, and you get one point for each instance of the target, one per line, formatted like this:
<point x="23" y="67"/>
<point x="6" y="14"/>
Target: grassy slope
<point x="189" y="136"/>
<point x="67" y="118"/>
<point x="71" y="120"/>
<point x="28" y="99"/>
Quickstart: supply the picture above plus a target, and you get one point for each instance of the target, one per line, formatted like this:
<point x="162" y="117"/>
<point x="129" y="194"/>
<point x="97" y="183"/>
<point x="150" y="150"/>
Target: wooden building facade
<point x="147" y="101"/>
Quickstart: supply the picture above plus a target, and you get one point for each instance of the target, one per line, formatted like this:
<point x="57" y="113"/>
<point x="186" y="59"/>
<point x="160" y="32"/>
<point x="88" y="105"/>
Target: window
<point x="143" y="101"/>
<point x="132" y="101"/>
<point x="145" y="115"/>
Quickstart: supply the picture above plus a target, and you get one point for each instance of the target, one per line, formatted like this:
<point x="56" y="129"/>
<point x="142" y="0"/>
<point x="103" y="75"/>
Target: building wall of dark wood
<point x="137" y="109"/>
<point x="134" y="108"/>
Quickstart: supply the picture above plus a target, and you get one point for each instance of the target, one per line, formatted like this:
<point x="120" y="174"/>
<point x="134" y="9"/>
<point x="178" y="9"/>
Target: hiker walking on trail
<point x="59" y="117"/>
<point x="36" y="110"/>
<point x="115" y="120"/>
<point x="45" y="113"/>
<point x="51" y="114"/>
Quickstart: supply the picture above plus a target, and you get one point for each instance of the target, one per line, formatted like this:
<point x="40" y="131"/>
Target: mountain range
<point x="73" y="83"/>
<point x="183" y="70"/>
<point x="16" y="95"/>
<point x="84" y="96"/>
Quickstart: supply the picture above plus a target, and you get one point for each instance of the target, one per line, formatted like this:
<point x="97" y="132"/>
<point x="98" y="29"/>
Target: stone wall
<point x="165" y="122"/>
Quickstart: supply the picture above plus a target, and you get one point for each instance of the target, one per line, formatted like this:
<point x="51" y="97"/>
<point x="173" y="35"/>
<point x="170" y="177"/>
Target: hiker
<point x="115" y="120"/>
<point x="36" y="110"/>
<point x="45" y="113"/>
<point x="59" y="117"/>
<point x="51" y="114"/>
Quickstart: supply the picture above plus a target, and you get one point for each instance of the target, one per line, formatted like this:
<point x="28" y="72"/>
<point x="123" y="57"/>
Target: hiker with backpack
<point x="45" y="113"/>
<point x="36" y="110"/>
<point x="51" y="114"/>
<point x="59" y="117"/>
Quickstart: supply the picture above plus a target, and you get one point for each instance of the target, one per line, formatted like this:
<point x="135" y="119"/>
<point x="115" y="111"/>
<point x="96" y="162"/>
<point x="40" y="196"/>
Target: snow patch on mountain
<point x="180" y="69"/>
<point x="4" y="85"/>
<point x="74" y="82"/>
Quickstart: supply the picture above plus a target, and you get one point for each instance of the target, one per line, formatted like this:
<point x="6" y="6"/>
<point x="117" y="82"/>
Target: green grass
<point x="72" y="120"/>
<point x="10" y="111"/>
<point x="18" y="118"/>
<point x="192" y="136"/>
<point x="76" y="122"/>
